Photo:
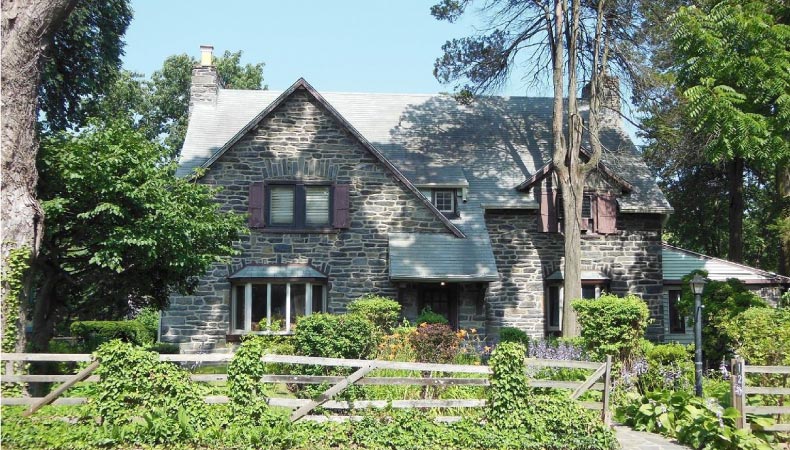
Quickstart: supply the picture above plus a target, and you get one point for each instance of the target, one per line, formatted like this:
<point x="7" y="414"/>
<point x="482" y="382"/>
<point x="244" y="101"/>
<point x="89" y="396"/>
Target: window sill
<point x="274" y="230"/>
<point x="237" y="335"/>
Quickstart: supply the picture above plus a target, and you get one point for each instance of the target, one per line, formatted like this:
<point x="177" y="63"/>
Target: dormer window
<point x="445" y="201"/>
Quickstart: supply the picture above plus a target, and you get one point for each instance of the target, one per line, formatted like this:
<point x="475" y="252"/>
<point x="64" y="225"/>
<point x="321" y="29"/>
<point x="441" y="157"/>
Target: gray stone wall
<point x="205" y="83"/>
<point x="301" y="140"/>
<point x="525" y="257"/>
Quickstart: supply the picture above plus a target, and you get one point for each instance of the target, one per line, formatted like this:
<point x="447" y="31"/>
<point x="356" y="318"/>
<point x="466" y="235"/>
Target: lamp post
<point x="697" y="285"/>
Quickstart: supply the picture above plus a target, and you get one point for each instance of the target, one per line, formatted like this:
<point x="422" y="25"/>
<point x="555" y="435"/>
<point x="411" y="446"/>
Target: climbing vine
<point x="17" y="263"/>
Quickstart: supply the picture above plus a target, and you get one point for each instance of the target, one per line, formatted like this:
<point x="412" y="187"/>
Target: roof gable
<point x="301" y="83"/>
<point x="547" y="169"/>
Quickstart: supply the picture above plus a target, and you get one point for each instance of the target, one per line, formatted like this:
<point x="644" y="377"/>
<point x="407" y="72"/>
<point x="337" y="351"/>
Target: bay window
<point x="274" y="306"/>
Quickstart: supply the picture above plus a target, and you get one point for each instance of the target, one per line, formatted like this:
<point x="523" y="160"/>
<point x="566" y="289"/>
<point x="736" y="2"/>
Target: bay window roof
<point x="278" y="272"/>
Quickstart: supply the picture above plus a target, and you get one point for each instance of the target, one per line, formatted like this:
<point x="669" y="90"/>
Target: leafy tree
<point x="568" y="39"/>
<point x="122" y="229"/>
<point x="82" y="61"/>
<point x="733" y="66"/>
<point x="167" y="105"/>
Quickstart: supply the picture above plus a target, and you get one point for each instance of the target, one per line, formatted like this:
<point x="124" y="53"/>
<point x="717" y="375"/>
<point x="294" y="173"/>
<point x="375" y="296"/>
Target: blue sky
<point x="342" y="45"/>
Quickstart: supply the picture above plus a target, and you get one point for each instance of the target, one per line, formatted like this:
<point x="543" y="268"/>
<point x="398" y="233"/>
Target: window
<point x="274" y="307"/>
<point x="444" y="200"/>
<point x="587" y="212"/>
<point x="554" y="301"/>
<point x="299" y="206"/>
<point x="677" y="322"/>
<point x="554" y="309"/>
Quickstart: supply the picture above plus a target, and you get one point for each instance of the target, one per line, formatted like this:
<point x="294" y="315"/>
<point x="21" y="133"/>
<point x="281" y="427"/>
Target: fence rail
<point x="362" y="376"/>
<point x="740" y="392"/>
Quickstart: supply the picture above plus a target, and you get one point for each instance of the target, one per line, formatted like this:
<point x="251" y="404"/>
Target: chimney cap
<point x="206" y="55"/>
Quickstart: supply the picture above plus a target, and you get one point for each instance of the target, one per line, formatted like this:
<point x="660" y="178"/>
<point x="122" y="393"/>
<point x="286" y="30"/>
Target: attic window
<point x="599" y="213"/>
<point x="588" y="221"/>
<point x="445" y="201"/>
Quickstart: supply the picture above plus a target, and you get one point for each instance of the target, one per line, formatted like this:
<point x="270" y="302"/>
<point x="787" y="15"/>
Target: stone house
<point x="415" y="197"/>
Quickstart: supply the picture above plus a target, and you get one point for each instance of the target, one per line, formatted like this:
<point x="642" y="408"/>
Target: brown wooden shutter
<point x="606" y="222"/>
<point x="341" y="217"/>
<point x="548" y="212"/>
<point x="256" y="205"/>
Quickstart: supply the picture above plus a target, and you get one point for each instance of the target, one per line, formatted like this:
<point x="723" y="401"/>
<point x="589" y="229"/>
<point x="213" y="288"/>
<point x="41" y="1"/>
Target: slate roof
<point x="492" y="146"/>
<point x="679" y="262"/>
<point x="277" y="271"/>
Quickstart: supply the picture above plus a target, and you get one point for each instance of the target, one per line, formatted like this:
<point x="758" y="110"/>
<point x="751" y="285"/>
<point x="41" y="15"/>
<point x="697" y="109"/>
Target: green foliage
<point x="669" y="366"/>
<point x="121" y="227"/>
<point x="511" y="334"/>
<point x="149" y="317"/>
<point x="611" y="325"/>
<point x="164" y="348"/>
<point x="165" y="108"/>
<point x="335" y="336"/>
<point x="435" y="343"/>
<point x="82" y="61"/>
<point x="382" y="311"/>
<point x="508" y="392"/>
<point x="14" y="268"/>
<point x="722" y="300"/>
<point x="247" y="394"/>
<point x="91" y="334"/>
<point x="761" y="336"/>
<point x="693" y="421"/>
<point x="428" y="316"/>
<point x="133" y="383"/>
<point x="735" y="70"/>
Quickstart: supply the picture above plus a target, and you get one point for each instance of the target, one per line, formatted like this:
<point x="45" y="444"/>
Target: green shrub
<point x="91" y="334"/>
<point x="149" y="317"/>
<point x="512" y="334"/>
<point x="164" y="348"/>
<point x="692" y="420"/>
<point x="612" y="325"/>
<point x="335" y="336"/>
<point x="723" y="301"/>
<point x="133" y="383"/>
<point x="428" y="316"/>
<point x="435" y="343"/>
<point x="761" y="336"/>
<point x="669" y="366"/>
<point x="382" y="311"/>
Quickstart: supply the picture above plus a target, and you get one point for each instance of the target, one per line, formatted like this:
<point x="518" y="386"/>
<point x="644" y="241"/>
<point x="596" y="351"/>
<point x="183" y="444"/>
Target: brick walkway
<point x="639" y="440"/>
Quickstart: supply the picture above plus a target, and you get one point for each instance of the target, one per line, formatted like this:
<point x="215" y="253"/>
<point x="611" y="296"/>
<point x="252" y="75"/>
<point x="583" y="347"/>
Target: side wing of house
<point x="680" y="262"/>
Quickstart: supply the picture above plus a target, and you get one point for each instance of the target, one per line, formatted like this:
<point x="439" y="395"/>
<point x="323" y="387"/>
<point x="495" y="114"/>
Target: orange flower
<point x="473" y="330"/>
<point x="486" y="349"/>
<point x="424" y="324"/>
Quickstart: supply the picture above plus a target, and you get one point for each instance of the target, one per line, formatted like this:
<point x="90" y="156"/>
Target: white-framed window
<point x="555" y="299"/>
<point x="444" y="200"/>
<point x="273" y="307"/>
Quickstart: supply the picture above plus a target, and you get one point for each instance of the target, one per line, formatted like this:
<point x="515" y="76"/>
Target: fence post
<point x="607" y="385"/>
<point x="737" y="384"/>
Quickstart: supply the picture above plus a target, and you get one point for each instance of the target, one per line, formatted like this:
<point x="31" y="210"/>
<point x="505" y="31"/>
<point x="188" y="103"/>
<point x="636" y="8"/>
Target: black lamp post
<point x="697" y="285"/>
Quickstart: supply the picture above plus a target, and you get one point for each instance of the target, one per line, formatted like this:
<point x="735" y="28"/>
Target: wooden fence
<point x="302" y="407"/>
<point x="740" y="392"/>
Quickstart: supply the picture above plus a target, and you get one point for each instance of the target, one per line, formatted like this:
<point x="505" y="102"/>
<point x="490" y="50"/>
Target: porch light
<point x="697" y="284"/>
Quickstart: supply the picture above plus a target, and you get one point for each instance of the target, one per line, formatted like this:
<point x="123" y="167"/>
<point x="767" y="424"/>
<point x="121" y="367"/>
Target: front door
<point x="442" y="300"/>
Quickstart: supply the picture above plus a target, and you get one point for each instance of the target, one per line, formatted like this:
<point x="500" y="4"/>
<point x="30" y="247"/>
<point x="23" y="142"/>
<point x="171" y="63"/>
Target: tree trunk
<point x="26" y="27"/>
<point x="735" y="175"/>
<point x="783" y="207"/>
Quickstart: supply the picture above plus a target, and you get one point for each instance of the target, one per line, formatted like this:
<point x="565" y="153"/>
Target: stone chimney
<point x="610" y="101"/>
<point x="205" y="79"/>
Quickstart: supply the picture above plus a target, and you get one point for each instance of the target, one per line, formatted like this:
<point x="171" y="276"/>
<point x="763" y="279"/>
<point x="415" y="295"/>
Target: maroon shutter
<point x="607" y="213"/>
<point x="341" y="217"/>
<point x="256" y="204"/>
<point x="548" y="212"/>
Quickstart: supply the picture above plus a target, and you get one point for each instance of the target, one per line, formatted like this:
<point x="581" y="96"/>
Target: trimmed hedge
<point x="382" y="311"/>
<point x="512" y="334"/>
<point x="612" y="325"/>
<point x="91" y="334"/>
